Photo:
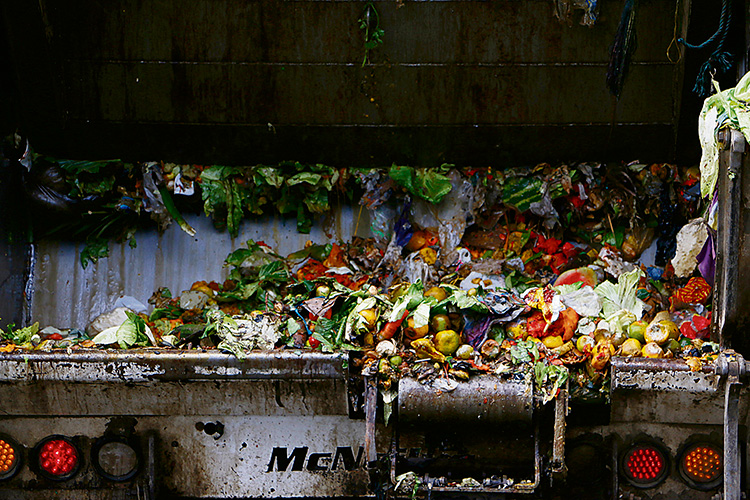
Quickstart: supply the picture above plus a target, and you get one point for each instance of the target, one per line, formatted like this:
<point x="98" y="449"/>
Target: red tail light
<point x="701" y="465"/>
<point x="58" y="458"/>
<point x="645" y="465"/>
<point x="10" y="457"/>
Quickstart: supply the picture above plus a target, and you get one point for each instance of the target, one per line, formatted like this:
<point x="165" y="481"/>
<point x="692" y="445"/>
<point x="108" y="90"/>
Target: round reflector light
<point x="115" y="459"/>
<point x="644" y="465"/>
<point x="58" y="458"/>
<point x="10" y="458"/>
<point x="701" y="465"/>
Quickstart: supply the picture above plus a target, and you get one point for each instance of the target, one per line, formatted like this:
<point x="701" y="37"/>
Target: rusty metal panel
<point x="285" y="78"/>
<point x="731" y="299"/>
<point x="173" y="383"/>
<point x="146" y="92"/>
<point x="327" y="32"/>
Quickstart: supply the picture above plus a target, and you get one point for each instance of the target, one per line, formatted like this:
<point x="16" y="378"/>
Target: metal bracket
<point x="559" y="469"/>
<point x="732" y="369"/>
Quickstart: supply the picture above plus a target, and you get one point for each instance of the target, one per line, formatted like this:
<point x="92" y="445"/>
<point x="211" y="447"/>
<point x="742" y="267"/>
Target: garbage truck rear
<point x="370" y="249"/>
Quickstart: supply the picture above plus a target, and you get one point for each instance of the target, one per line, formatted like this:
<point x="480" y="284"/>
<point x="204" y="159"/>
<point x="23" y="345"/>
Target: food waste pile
<point x="542" y="273"/>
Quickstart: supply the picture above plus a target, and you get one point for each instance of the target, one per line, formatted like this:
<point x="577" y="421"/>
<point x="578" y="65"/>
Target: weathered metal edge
<point x="168" y="365"/>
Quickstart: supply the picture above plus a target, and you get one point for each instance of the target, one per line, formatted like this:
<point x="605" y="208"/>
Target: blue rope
<point x="721" y="32"/>
<point x="719" y="61"/>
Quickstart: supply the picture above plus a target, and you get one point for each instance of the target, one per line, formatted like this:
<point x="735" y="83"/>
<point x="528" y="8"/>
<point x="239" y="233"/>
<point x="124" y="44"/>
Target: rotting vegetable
<point x="526" y="291"/>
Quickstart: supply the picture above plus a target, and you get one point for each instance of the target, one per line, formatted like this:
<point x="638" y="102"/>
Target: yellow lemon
<point x="447" y="342"/>
<point x="552" y="341"/>
<point x="437" y="292"/>
<point x="631" y="348"/>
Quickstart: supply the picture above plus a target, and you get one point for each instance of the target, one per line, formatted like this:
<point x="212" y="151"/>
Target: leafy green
<point x="95" y="249"/>
<point x="169" y="312"/>
<point x="566" y="289"/>
<point x="107" y="336"/>
<point x="370" y="24"/>
<point x="462" y="300"/>
<point x="274" y="272"/>
<point x="549" y="379"/>
<point x="317" y="252"/>
<point x="408" y="301"/>
<point x="76" y="167"/>
<point x="524" y="351"/>
<point x="173" y="212"/>
<point x="622" y="295"/>
<point x="134" y="331"/>
<point x="428" y="184"/>
<point x="422" y="315"/>
<point x="22" y="335"/>
<point x="222" y="198"/>
<point x="269" y="175"/>
<point x="258" y="271"/>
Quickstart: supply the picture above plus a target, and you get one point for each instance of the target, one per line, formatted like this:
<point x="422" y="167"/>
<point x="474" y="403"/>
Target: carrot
<point x="389" y="329"/>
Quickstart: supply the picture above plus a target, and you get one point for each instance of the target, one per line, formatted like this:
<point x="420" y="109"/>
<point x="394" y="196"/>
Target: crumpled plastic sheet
<point x="131" y="303"/>
<point x="670" y="222"/>
<point x="382" y="220"/>
<point x="690" y="242"/>
<point x="414" y="268"/>
<point x="391" y="257"/>
<point x="453" y="214"/>
<point x="152" y="200"/>
<point x="615" y="264"/>
<point x="505" y="305"/>
<point x="377" y="189"/>
<point x="545" y="209"/>
<point x="486" y="282"/>
<point x="403" y="228"/>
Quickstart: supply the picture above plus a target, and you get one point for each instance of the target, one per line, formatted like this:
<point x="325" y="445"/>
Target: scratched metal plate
<point x="271" y="456"/>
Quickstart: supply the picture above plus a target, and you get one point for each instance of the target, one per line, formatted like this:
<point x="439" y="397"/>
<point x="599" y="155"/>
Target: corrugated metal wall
<point x="464" y="81"/>
<point x="66" y="295"/>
